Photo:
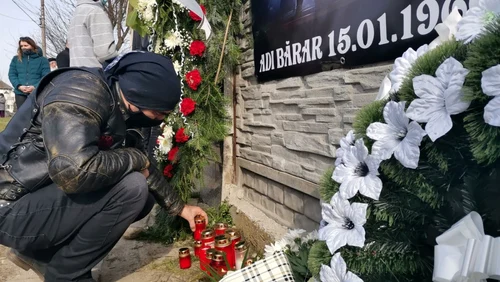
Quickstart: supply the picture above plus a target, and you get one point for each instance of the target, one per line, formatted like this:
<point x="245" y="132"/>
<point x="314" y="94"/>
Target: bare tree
<point x="58" y="14"/>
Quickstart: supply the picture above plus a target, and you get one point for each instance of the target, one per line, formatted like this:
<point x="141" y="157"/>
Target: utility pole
<point x="42" y="25"/>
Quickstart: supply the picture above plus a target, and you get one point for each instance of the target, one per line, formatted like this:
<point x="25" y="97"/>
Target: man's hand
<point x="189" y="212"/>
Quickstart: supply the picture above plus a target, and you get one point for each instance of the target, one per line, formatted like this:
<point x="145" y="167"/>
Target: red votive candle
<point x="200" y="225"/>
<point x="184" y="258"/>
<point x="206" y="255"/>
<point x="197" y="247"/>
<point x="223" y="244"/>
<point x="234" y="236"/>
<point x="208" y="238"/>
<point x="218" y="263"/>
<point x="220" y="228"/>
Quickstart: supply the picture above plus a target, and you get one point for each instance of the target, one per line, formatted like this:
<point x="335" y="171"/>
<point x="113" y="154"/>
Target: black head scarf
<point x="147" y="80"/>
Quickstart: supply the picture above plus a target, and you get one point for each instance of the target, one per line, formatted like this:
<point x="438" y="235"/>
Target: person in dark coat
<point x="62" y="58"/>
<point x="72" y="179"/>
<point x="27" y="69"/>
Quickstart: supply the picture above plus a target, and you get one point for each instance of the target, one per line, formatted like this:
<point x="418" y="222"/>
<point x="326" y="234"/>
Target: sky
<point x="13" y="24"/>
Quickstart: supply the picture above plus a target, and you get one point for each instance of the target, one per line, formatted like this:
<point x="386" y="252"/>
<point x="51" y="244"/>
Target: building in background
<point x="10" y="102"/>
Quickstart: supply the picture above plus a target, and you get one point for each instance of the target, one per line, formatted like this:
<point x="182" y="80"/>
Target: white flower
<point x="279" y="245"/>
<point x="358" y="173"/>
<point x="403" y="65"/>
<point x="440" y="97"/>
<point x="345" y="144"/>
<point x="181" y="6"/>
<point x="397" y="136"/>
<point x="145" y="9"/>
<point x="337" y="272"/>
<point x="165" y="140"/>
<point x="177" y="67"/>
<point x="490" y="83"/>
<point x="345" y="223"/>
<point x="447" y="29"/>
<point x="293" y="234"/>
<point x="173" y="40"/>
<point x="475" y="20"/>
<point x="384" y="90"/>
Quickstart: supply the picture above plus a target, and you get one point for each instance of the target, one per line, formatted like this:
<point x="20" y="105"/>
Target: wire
<point x="13" y="18"/>
<point x="25" y="12"/>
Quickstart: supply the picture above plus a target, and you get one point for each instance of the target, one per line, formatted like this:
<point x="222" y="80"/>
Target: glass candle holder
<point x="197" y="247"/>
<point x="240" y="251"/>
<point x="234" y="236"/>
<point x="223" y="244"/>
<point x="208" y="238"/>
<point x="220" y="228"/>
<point x="206" y="255"/>
<point x="200" y="225"/>
<point x="218" y="263"/>
<point x="184" y="258"/>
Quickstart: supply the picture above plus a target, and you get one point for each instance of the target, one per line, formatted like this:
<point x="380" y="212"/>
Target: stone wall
<point x="287" y="132"/>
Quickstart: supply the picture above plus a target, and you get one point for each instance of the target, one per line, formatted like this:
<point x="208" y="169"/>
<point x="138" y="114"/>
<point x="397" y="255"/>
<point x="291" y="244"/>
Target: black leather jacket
<point x="72" y="132"/>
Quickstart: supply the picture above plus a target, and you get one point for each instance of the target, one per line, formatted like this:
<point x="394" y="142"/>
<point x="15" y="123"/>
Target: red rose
<point x="105" y="142"/>
<point x="180" y="137"/>
<point x="197" y="48"/>
<point x="168" y="171"/>
<point x="187" y="106"/>
<point x="195" y="16"/>
<point x="173" y="153"/>
<point x="193" y="79"/>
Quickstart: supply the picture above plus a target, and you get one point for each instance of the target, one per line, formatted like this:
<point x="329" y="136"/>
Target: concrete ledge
<point x="284" y="178"/>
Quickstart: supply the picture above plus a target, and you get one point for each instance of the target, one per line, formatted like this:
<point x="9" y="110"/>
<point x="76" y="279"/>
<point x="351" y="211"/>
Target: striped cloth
<point x="90" y="35"/>
<point x="272" y="269"/>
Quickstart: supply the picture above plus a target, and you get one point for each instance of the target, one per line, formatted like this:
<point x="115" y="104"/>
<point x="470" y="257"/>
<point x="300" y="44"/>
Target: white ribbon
<point x="194" y="7"/>
<point x="465" y="254"/>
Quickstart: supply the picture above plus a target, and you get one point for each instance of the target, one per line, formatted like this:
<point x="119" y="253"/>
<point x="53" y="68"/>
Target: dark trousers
<point x="20" y="99"/>
<point x="2" y="113"/>
<point x="72" y="233"/>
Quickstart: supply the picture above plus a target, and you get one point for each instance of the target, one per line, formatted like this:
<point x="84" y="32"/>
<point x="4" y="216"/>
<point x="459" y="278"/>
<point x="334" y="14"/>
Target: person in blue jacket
<point x="27" y="69"/>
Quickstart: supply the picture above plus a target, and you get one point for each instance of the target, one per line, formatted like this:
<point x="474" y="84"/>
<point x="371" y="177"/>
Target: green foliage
<point x="299" y="260"/>
<point x="482" y="55"/>
<point x="318" y="255"/>
<point x="373" y="112"/>
<point x="209" y="122"/>
<point x="168" y="229"/>
<point x="328" y="187"/>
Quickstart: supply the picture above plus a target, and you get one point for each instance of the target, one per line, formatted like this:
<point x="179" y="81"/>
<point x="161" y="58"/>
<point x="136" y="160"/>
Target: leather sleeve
<point x="71" y="133"/>
<point x="165" y="195"/>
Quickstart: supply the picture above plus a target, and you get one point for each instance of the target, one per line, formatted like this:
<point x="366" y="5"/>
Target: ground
<point x="129" y="261"/>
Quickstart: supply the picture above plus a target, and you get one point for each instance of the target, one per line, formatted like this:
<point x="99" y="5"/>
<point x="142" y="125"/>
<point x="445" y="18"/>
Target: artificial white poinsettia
<point x="345" y="143"/>
<point x="359" y="172"/>
<point x="165" y="141"/>
<point x="403" y="65"/>
<point x="490" y="84"/>
<point x="447" y="29"/>
<point x="345" y="223"/>
<point x="385" y="89"/>
<point x="337" y="271"/>
<point x="475" y="20"/>
<point x="398" y="135"/>
<point x="279" y="245"/>
<point x="439" y="98"/>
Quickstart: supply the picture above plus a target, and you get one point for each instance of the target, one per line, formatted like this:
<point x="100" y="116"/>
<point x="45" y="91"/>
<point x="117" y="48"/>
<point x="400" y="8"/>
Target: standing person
<point x="52" y="64"/>
<point x="27" y="69"/>
<point x="62" y="58"/>
<point x="2" y="105"/>
<point x="90" y="35"/>
<point x="69" y="188"/>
